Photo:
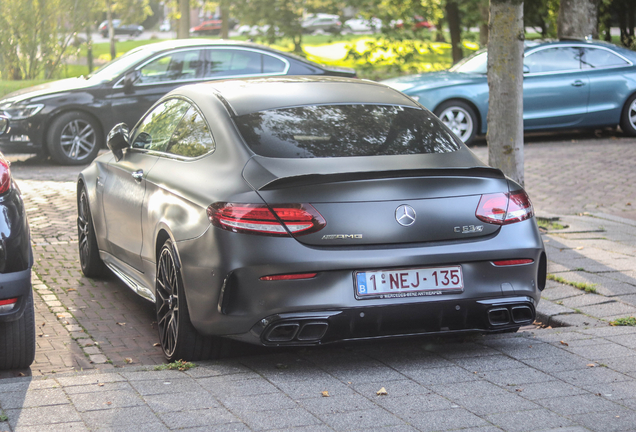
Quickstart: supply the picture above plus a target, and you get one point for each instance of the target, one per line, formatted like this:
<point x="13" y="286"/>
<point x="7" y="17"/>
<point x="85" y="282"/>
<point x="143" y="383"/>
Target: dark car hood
<point x="413" y="83"/>
<point x="46" y="89"/>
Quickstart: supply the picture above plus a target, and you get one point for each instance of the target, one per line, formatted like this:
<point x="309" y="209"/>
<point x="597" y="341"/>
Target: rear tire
<point x="74" y="138"/>
<point x="178" y="337"/>
<point x="460" y="118"/>
<point x="90" y="261"/>
<point x="628" y="118"/>
<point x="17" y="340"/>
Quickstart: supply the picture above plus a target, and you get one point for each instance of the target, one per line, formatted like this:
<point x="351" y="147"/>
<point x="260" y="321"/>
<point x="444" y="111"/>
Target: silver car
<point x="304" y="211"/>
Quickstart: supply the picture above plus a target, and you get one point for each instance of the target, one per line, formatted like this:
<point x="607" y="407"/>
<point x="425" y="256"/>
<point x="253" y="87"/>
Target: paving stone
<point x="36" y="398"/>
<point x="186" y="401"/>
<point x="42" y="415"/>
<point x="116" y="417"/>
<point x="105" y="400"/>
<point x="531" y="420"/>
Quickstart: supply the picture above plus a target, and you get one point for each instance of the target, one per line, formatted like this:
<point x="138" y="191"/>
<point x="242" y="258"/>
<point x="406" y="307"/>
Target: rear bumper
<point x="14" y="285"/>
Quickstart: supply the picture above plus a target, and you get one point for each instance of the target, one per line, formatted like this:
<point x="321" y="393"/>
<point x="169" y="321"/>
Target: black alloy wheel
<point x="90" y="262"/>
<point x="178" y="337"/>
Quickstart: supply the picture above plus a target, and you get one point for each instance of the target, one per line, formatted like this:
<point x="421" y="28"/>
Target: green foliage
<point x="629" y="321"/>
<point x="3" y="417"/>
<point x="181" y="365"/>
<point x="550" y="224"/>
<point x="542" y="15"/>
<point x="588" y="288"/>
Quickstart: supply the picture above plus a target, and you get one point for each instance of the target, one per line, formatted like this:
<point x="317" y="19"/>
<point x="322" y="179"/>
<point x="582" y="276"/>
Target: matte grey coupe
<point x="304" y="211"/>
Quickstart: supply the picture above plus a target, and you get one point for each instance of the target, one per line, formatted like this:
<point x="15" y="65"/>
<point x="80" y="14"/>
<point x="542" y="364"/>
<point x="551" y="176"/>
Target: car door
<point x="555" y="88"/>
<point x="125" y="185"/>
<point x="155" y="77"/>
<point x="610" y="84"/>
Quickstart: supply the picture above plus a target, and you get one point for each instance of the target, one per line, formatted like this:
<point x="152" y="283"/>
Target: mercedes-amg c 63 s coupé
<point x="304" y="211"/>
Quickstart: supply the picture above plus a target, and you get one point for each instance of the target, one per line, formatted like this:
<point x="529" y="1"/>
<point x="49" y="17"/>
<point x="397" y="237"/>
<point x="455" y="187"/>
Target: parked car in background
<point x="303" y="211"/>
<point x="212" y="27"/>
<point x="165" y="26"/>
<point x="569" y="84"/>
<point x="120" y="29"/>
<point x="362" y="25"/>
<point x="17" y="322"/>
<point x="70" y="118"/>
<point x="321" y="23"/>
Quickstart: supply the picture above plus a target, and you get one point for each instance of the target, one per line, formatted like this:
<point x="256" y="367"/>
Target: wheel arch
<point x="480" y="122"/>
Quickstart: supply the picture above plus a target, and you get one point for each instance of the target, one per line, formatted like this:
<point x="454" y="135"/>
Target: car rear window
<point x="344" y="130"/>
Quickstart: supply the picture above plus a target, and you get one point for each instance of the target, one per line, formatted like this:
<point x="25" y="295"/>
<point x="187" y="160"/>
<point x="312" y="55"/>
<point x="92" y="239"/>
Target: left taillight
<point x="5" y="175"/>
<point x="298" y="219"/>
<point x="504" y="208"/>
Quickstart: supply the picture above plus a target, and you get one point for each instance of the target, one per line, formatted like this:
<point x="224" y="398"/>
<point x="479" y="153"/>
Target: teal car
<point x="569" y="84"/>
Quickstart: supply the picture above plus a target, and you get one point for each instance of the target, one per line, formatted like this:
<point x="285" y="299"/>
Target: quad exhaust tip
<point x="514" y="314"/>
<point x="310" y="331"/>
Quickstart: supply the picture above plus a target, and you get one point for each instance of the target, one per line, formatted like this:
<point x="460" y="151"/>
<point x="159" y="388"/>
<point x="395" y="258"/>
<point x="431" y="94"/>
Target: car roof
<point x="245" y="96"/>
<point x="531" y="45"/>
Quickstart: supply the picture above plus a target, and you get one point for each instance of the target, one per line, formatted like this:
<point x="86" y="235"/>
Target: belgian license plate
<point x="412" y="282"/>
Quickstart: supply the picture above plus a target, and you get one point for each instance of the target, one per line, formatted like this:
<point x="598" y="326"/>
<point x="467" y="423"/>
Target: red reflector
<point x="513" y="262"/>
<point x="298" y="219"/>
<point x="289" y="276"/>
<point x="5" y="175"/>
<point x="504" y="208"/>
<point x="8" y="301"/>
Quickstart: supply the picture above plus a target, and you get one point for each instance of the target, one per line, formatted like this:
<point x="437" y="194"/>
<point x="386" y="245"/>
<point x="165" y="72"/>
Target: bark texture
<point x="578" y="19"/>
<point x="183" y="31"/>
<point x="454" y="27"/>
<point x="505" y="84"/>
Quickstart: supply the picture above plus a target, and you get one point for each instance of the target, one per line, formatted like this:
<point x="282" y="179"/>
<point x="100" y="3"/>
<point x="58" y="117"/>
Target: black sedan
<point x="120" y="29"/>
<point x="17" y="325"/>
<point x="304" y="211"/>
<point x="69" y="118"/>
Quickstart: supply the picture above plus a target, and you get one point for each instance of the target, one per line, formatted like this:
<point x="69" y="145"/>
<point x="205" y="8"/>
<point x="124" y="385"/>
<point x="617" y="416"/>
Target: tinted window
<point x="599" y="58"/>
<point x="177" y="66"/>
<point x="155" y="130"/>
<point x="476" y="64"/>
<point x="554" y="60"/>
<point x="272" y="64"/>
<point x="344" y="130"/>
<point x="229" y="62"/>
<point x="192" y="137"/>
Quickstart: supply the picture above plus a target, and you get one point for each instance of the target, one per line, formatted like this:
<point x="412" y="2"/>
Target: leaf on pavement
<point x="564" y="343"/>
<point x="325" y="393"/>
<point x="382" y="392"/>
<point x="128" y="360"/>
<point x="121" y="324"/>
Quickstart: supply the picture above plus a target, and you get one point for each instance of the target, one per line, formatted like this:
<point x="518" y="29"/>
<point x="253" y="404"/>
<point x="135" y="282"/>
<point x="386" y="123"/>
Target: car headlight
<point x="20" y="112"/>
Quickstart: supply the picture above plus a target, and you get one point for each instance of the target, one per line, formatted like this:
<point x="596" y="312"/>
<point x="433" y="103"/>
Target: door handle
<point x="578" y="83"/>
<point x="138" y="175"/>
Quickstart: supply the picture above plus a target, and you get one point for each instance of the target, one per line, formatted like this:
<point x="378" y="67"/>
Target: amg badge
<point x="467" y="229"/>
<point x="341" y="236"/>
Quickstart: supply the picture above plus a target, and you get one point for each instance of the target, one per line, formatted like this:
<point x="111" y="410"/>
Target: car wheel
<point x="178" y="337"/>
<point x="460" y="118"/>
<point x="628" y="119"/>
<point x="74" y="138"/>
<point x="17" y="340"/>
<point x="92" y="265"/>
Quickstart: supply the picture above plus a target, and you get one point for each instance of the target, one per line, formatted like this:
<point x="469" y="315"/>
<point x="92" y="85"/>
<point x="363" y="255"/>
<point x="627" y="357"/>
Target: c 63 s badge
<point x="468" y="229"/>
<point x="341" y="236"/>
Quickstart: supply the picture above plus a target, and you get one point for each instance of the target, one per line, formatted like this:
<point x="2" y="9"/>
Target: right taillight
<point x="504" y="208"/>
<point x="5" y="175"/>
<point x="298" y="219"/>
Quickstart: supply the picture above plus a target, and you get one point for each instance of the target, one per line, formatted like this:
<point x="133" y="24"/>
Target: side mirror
<point x="4" y="125"/>
<point x="118" y="140"/>
<point x="129" y="80"/>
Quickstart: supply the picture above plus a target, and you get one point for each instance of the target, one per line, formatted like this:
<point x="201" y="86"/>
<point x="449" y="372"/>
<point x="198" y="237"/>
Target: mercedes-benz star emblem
<point x="405" y="215"/>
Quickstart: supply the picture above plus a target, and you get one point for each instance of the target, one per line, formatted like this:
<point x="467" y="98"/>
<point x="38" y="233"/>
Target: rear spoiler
<point x="269" y="173"/>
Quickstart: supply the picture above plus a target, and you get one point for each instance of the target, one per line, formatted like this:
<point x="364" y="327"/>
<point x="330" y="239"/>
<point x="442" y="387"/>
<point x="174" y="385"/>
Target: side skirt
<point x="132" y="278"/>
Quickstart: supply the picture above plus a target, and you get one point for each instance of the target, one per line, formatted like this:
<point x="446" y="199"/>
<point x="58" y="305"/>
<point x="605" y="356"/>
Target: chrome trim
<point x="134" y="285"/>
<point x="574" y="45"/>
<point x="120" y="84"/>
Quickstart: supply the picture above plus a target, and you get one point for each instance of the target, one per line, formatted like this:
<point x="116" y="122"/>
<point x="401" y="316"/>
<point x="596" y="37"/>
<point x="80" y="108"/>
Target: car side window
<point x="273" y="64"/>
<point x="176" y="66"/>
<point x="597" y="58"/>
<point x="155" y="130"/>
<point x="192" y="137"/>
<point x="230" y="62"/>
<point x="557" y="59"/>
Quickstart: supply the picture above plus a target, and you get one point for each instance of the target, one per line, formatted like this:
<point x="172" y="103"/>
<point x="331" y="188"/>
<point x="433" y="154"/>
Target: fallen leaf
<point x="325" y="393"/>
<point x="564" y="343"/>
<point x="100" y="384"/>
<point x="43" y="324"/>
<point x="109" y="403"/>
<point x="519" y="389"/>
<point x="156" y="344"/>
<point x="628" y="204"/>
<point x="71" y="289"/>
<point x="121" y="324"/>
<point x="591" y="365"/>
<point x="382" y="392"/>
<point x="128" y="360"/>
<point x="579" y="248"/>
<point x="549" y="327"/>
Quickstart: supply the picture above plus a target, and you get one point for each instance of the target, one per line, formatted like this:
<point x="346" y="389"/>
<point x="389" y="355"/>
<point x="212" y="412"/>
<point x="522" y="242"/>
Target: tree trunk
<point x="111" y="30"/>
<point x="183" y="31"/>
<point x="578" y="19"/>
<point x="225" y="20"/>
<point x="483" y="27"/>
<point x="89" y="47"/>
<point x="505" y="84"/>
<point x="452" y="16"/>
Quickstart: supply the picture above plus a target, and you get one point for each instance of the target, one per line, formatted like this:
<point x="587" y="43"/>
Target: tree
<point x="128" y="11"/>
<point x="505" y="85"/>
<point x="454" y="26"/>
<point x="183" y="31"/>
<point x="578" y="19"/>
